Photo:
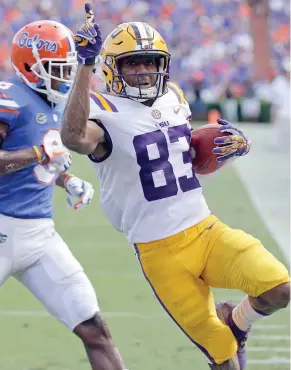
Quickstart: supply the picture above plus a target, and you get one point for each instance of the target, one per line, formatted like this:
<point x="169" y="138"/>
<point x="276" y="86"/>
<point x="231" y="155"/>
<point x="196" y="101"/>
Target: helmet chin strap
<point x="134" y="92"/>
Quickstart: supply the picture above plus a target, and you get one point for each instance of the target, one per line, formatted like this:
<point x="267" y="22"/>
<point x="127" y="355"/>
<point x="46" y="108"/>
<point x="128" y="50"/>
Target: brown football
<point x="202" y="140"/>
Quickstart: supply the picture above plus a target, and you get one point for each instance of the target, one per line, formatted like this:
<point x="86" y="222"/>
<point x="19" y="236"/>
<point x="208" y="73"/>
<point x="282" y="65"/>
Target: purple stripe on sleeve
<point x="97" y="101"/>
<point x="112" y="106"/>
<point x="176" y="93"/>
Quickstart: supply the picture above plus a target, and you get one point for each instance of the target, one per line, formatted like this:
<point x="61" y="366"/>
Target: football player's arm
<point x="14" y="160"/>
<point x="60" y="181"/>
<point x="78" y="133"/>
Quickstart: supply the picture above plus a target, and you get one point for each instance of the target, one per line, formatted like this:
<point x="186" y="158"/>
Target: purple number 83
<point x="149" y="166"/>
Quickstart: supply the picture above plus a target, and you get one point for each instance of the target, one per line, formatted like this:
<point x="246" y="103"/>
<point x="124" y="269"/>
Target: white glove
<point x="79" y="192"/>
<point x="59" y="158"/>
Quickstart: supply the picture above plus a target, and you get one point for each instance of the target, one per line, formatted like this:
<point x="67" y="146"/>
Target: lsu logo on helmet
<point x="133" y="39"/>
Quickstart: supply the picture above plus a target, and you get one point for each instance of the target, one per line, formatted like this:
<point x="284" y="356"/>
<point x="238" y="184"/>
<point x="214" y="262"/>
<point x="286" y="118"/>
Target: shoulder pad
<point x="14" y="95"/>
<point x="9" y="103"/>
<point x="181" y="99"/>
<point x="101" y="102"/>
<point x="177" y="91"/>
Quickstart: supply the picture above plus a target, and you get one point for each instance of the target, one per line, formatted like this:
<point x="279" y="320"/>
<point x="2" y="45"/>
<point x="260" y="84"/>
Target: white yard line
<point x="269" y="349"/>
<point x="271" y="327"/>
<point x="39" y="313"/>
<point x="265" y="174"/>
<point x="264" y="337"/>
<point x="23" y="313"/>
<point x="134" y="315"/>
<point x="269" y="361"/>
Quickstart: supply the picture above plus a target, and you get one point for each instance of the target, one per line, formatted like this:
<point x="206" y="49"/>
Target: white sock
<point x="244" y="315"/>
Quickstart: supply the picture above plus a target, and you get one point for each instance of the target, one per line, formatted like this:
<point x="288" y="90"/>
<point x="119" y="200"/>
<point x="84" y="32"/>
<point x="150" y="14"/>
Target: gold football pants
<point x="181" y="268"/>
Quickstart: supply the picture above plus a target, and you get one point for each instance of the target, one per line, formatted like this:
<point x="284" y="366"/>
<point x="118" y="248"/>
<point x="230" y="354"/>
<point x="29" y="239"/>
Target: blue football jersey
<point x="24" y="194"/>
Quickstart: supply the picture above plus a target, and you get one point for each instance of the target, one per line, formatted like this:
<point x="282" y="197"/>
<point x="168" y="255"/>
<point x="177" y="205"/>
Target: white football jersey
<point x="148" y="187"/>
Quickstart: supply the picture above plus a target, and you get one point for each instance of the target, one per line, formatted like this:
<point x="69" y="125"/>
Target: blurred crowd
<point x="209" y="40"/>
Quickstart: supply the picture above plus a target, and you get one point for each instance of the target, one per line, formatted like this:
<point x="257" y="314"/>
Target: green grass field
<point x="147" y="338"/>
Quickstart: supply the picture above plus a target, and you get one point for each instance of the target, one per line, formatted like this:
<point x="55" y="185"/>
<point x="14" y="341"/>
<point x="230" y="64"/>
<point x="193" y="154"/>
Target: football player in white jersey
<point x="138" y="139"/>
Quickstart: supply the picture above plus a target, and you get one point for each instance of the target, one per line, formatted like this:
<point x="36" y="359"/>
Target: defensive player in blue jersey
<point x="32" y="160"/>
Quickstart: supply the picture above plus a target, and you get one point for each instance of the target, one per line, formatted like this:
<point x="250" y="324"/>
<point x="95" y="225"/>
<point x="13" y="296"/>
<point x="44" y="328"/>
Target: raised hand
<point x="88" y="39"/>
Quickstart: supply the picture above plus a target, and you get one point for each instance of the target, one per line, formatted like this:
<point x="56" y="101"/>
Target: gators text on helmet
<point x="36" y="49"/>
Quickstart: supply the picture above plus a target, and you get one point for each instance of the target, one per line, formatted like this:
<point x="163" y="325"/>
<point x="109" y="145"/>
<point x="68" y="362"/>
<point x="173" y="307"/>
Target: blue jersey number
<point x="148" y="166"/>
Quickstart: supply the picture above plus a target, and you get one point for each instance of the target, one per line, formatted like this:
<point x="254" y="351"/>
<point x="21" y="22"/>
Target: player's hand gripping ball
<point x="88" y="39"/>
<point x="214" y="144"/>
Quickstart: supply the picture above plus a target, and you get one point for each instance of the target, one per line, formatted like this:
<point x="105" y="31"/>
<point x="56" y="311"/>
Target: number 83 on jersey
<point x="158" y="153"/>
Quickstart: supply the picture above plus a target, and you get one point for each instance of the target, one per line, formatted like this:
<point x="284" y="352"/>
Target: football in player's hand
<point x="202" y="140"/>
